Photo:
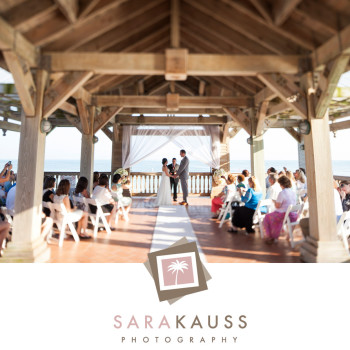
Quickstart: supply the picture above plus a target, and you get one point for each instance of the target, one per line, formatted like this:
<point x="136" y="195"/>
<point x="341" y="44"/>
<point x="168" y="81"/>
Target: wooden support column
<point x="117" y="149"/>
<point x="322" y="245"/>
<point x="257" y="159"/>
<point x="87" y="144"/>
<point x="225" y="149"/>
<point x="87" y="158"/>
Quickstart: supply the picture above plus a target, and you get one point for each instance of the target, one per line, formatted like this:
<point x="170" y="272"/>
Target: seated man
<point x="274" y="188"/>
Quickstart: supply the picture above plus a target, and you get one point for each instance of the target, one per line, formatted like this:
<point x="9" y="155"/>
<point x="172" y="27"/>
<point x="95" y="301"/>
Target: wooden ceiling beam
<point x="162" y="110"/>
<point x="154" y="63"/>
<point x="242" y="7"/>
<point x="292" y="132"/>
<point x="175" y="24"/>
<point x="69" y="108"/>
<point x="287" y="91"/>
<point x="4" y="125"/>
<point x="160" y="101"/>
<point x="263" y="9"/>
<point x="239" y="117"/>
<point x="24" y="81"/>
<point x="276" y="108"/>
<point x="86" y="6"/>
<point x="260" y="117"/>
<point x="125" y="31"/>
<point x="62" y="89"/>
<point x="256" y="31"/>
<point x="107" y="113"/>
<point x="339" y="125"/>
<point x="264" y="94"/>
<point x="101" y="24"/>
<point x="12" y="40"/>
<point x="29" y="14"/>
<point x="282" y="10"/>
<point x="69" y="8"/>
<point x="107" y="132"/>
<point x="214" y="120"/>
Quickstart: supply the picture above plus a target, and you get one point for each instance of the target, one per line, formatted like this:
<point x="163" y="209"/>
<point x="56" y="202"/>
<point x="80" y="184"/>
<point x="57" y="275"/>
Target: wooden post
<point x="301" y="153"/>
<point x="257" y="160"/>
<point x="322" y="245"/>
<point x="27" y="244"/>
<point x="117" y="161"/>
<point x="87" y="158"/>
<point x="225" y="156"/>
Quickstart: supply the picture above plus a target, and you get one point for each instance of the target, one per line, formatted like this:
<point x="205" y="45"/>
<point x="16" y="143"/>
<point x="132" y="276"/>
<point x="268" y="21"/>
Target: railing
<point x="144" y="184"/>
<point x="147" y="184"/>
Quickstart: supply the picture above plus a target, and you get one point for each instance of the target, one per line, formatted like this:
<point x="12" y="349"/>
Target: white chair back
<point x="258" y="216"/>
<point x="289" y="226"/>
<point x="96" y="217"/>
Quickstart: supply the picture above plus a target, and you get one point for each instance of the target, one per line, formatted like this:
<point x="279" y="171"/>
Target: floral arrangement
<point x="217" y="175"/>
<point x="123" y="173"/>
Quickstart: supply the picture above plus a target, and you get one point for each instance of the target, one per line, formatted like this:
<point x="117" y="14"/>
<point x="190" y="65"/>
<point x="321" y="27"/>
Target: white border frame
<point x="195" y="283"/>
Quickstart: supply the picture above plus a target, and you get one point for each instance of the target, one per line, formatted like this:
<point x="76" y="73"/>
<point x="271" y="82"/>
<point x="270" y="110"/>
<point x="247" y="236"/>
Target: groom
<point x="182" y="173"/>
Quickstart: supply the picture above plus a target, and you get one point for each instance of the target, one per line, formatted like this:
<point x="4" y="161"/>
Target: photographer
<point x="5" y="174"/>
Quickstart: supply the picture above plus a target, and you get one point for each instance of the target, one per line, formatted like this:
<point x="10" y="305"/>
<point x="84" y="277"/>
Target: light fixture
<point x="45" y="126"/>
<point x="250" y="140"/>
<point x="94" y="139"/>
<point x="304" y="127"/>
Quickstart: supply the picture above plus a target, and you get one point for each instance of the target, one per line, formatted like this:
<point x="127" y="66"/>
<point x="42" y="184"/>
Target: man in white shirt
<point x="10" y="201"/>
<point x="274" y="189"/>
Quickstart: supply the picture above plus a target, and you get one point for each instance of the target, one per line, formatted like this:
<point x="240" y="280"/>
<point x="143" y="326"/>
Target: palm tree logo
<point x="177" y="266"/>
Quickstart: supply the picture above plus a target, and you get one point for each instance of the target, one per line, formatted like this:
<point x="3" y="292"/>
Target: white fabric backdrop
<point x="200" y="142"/>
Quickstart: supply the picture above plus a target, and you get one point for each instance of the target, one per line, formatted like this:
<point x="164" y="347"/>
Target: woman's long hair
<point x="81" y="185"/>
<point x="63" y="187"/>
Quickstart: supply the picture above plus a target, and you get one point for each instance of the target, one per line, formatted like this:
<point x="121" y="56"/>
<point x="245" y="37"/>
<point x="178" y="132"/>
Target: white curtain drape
<point x="200" y="142"/>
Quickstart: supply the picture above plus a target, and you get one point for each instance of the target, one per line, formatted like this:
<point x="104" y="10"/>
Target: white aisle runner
<point x="172" y="224"/>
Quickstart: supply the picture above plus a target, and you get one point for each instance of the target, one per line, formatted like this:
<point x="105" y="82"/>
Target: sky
<point x="278" y="143"/>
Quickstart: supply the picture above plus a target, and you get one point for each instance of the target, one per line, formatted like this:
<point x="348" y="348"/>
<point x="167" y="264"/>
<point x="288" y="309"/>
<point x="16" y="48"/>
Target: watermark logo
<point x="177" y="271"/>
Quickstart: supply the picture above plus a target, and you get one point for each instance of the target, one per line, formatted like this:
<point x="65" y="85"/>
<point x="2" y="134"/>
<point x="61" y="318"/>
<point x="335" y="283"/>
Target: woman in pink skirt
<point x="273" y="221"/>
<point x="224" y="196"/>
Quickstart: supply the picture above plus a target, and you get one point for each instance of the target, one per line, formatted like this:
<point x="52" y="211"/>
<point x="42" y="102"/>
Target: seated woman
<point x="48" y="192"/>
<point x="76" y="215"/>
<point x="95" y="179"/>
<point x="273" y="221"/>
<point x="81" y="191"/>
<point x="4" y="233"/>
<point x="225" y="195"/>
<point x="300" y="178"/>
<point x="243" y="216"/>
<point x="104" y="196"/>
<point x="117" y="192"/>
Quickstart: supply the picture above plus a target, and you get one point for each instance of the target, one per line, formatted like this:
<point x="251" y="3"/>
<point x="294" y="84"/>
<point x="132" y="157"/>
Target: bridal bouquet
<point x="217" y="175"/>
<point x="123" y="173"/>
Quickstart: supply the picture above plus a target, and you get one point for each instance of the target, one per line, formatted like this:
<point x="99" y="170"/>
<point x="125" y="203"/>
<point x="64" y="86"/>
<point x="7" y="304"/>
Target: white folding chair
<point x="343" y="229"/>
<point x="121" y="206"/>
<point x="258" y="216"/>
<point x="289" y="226"/>
<point x="61" y="218"/>
<point x="300" y="195"/>
<point x="100" y="215"/>
<point x="225" y="213"/>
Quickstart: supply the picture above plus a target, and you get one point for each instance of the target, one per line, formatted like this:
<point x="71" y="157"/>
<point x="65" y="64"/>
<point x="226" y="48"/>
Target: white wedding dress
<point x="164" y="192"/>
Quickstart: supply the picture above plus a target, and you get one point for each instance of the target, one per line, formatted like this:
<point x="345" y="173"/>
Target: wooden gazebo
<point x="102" y="64"/>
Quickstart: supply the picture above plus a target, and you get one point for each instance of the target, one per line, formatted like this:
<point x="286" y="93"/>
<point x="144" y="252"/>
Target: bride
<point x="164" y="190"/>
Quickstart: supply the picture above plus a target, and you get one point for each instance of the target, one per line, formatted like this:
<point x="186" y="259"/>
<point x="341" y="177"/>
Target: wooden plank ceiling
<point x="224" y="27"/>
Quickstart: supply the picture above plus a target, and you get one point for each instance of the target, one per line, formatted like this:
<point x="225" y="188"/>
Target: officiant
<point x="173" y="168"/>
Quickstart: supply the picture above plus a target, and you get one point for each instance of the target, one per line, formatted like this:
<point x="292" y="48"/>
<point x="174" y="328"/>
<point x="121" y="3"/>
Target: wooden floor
<point x="132" y="241"/>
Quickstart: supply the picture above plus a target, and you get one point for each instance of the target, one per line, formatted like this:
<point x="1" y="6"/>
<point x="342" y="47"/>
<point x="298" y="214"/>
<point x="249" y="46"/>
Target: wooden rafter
<point x="264" y="94"/>
<point x="287" y="91"/>
<point x="84" y="116"/>
<point x="275" y="108"/>
<point x="263" y="9"/>
<point x="107" y="132"/>
<point x="23" y="80"/>
<point x="296" y="135"/>
<point x="86" y="6"/>
<point x="282" y="10"/>
<point x="12" y="40"/>
<point x="214" y="120"/>
<point x="9" y="126"/>
<point x="74" y="121"/>
<point x="69" y="8"/>
<point x="340" y="125"/>
<point x="62" y="89"/>
<point x="260" y="117"/>
<point x="105" y="117"/>
<point x="238" y="116"/>
<point x="69" y="108"/>
<point x="338" y="68"/>
<point x="175" y="24"/>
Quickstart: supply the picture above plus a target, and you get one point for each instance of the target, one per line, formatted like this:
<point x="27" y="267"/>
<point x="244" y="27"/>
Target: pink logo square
<point x="177" y="271"/>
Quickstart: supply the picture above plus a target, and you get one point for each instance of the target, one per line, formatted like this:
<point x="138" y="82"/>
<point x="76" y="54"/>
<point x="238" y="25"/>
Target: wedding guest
<point x="95" y="179"/>
<point x="290" y="176"/>
<point x="243" y="216"/>
<point x="246" y="174"/>
<point x="274" y="188"/>
<point x="273" y="221"/>
<point x="81" y="191"/>
<point x="271" y="170"/>
<point x="49" y="192"/>
<point x="337" y="200"/>
<point x="10" y="201"/>
<point x="5" y="173"/>
<point x="11" y="182"/>
<point x="75" y="215"/>
<point x="300" y="178"/>
<point x="225" y="195"/>
<point x="345" y="194"/>
<point x="126" y="187"/>
<point x="4" y="233"/>
<point x="241" y="181"/>
<point x="117" y="192"/>
<point x="104" y="196"/>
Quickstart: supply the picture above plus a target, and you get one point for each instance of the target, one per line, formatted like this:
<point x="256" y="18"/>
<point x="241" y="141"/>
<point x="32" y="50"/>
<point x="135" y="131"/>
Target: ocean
<point x="340" y="167"/>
